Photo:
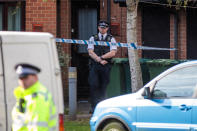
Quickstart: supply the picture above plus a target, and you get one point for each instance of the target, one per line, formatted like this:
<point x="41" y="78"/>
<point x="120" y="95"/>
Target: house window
<point x="12" y="17"/>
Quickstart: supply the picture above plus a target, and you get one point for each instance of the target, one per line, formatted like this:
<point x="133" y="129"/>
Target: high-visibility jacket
<point x="34" y="109"/>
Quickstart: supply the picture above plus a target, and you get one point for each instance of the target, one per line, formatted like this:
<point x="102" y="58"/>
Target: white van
<point x="27" y="47"/>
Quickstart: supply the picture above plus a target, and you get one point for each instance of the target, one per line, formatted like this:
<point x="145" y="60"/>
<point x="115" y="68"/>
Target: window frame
<point x="5" y="6"/>
<point x="171" y="97"/>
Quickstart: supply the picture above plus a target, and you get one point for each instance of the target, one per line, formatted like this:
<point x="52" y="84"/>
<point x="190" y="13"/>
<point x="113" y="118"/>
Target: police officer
<point x="34" y="109"/>
<point x="100" y="58"/>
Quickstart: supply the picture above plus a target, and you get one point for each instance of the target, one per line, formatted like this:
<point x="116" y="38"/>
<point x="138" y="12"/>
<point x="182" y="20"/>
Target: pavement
<point x="83" y="107"/>
<point x="83" y="110"/>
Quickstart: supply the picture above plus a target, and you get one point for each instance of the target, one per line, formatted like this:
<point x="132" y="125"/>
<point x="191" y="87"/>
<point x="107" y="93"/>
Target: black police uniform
<point x="99" y="74"/>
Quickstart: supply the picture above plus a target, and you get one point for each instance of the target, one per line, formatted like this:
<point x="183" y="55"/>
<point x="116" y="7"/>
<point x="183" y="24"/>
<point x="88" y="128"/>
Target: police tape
<point x="103" y="43"/>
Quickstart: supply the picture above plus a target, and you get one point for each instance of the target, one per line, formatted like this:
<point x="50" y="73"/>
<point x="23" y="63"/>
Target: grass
<point x="77" y="125"/>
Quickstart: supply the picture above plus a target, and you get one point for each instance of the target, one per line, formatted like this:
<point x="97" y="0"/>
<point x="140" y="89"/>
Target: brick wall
<point x="172" y="36"/>
<point x="182" y="36"/>
<point x="42" y="13"/>
<point x="139" y="31"/>
<point x="118" y="16"/>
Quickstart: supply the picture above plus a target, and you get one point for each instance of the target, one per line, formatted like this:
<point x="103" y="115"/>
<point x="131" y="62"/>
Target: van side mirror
<point x="146" y="93"/>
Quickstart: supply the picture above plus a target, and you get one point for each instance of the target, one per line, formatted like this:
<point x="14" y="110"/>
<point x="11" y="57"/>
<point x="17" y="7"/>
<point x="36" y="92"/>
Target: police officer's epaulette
<point x="96" y="37"/>
<point x="109" y="37"/>
<point x="44" y="94"/>
<point x="34" y="95"/>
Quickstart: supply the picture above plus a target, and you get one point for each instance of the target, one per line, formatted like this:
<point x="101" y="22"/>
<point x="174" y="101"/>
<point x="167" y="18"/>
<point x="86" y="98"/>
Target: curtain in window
<point x="1" y="15"/>
<point x="14" y="19"/>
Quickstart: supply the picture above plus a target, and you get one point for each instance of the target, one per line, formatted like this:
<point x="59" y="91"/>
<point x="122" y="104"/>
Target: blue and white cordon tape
<point x="103" y="43"/>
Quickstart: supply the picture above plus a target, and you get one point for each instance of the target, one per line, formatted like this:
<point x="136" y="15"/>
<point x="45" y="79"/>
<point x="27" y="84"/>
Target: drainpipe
<point x="109" y="12"/>
<point x="58" y="25"/>
<point x="176" y="35"/>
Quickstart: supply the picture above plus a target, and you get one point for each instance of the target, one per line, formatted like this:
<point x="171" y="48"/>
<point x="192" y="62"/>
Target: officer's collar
<point x="33" y="88"/>
<point x="24" y="92"/>
<point x="104" y="35"/>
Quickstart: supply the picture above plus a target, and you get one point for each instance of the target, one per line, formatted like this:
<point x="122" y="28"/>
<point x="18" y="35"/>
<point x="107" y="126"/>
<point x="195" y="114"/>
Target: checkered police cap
<point x="24" y="69"/>
<point x="103" y="24"/>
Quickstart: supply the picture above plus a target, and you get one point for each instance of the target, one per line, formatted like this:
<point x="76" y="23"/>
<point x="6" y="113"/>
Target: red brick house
<point x="158" y="26"/>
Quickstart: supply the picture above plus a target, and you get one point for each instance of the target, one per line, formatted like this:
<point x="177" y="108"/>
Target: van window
<point x="178" y="84"/>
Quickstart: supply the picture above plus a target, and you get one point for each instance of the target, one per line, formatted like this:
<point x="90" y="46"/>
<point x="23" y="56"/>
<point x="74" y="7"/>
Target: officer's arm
<point x="91" y="52"/>
<point x="94" y="56"/>
<point x="113" y="51"/>
<point x="110" y="54"/>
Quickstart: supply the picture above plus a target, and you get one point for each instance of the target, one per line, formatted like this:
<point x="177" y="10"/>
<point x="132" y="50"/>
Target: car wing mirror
<point x="146" y="93"/>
